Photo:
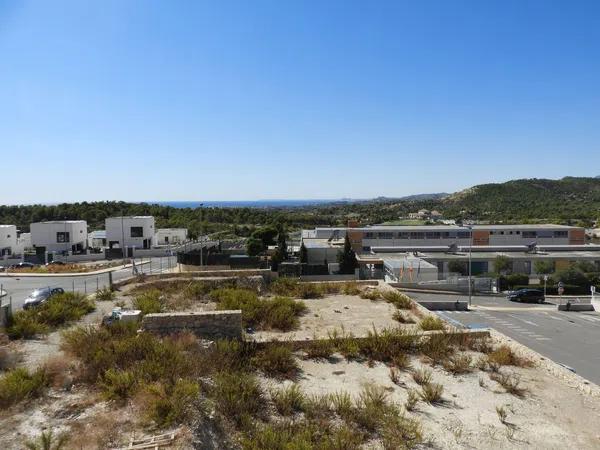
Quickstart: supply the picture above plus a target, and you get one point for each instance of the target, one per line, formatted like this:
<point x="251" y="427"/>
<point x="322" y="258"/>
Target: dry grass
<point x="289" y="400"/>
<point x="431" y="393"/>
<point x="430" y="323"/>
<point x="422" y="376"/>
<point x="458" y="364"/>
<point x="511" y="383"/>
<point x="505" y="356"/>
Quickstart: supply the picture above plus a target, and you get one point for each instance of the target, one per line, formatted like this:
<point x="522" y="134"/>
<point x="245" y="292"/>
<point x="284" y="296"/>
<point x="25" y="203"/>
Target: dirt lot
<point x="551" y="415"/>
<point x="354" y="314"/>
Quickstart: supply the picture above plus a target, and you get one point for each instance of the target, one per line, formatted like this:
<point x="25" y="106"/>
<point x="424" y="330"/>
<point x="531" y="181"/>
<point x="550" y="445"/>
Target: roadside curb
<point x="70" y="274"/>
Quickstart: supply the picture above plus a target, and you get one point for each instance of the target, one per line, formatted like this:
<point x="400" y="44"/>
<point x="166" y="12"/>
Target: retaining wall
<point x="207" y="325"/>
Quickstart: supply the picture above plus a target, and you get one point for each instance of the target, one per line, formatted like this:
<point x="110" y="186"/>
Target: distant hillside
<point x="529" y="199"/>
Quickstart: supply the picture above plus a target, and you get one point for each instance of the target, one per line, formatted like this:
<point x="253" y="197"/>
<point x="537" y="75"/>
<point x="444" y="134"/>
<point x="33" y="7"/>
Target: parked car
<point x="39" y="296"/>
<point x="22" y="265"/>
<point x="527" y="295"/>
<point x="55" y="263"/>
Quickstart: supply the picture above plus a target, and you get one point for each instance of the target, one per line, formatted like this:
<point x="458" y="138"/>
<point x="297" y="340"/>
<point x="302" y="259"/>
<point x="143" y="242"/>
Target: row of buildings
<point x="431" y="252"/>
<point x="72" y="237"/>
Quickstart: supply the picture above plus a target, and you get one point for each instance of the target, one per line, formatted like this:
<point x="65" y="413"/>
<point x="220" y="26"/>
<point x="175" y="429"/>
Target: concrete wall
<point x="166" y="236"/>
<point x="208" y="324"/>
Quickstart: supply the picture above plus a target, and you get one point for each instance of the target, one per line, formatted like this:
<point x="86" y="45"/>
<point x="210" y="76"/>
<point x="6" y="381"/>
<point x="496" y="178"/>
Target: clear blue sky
<point x="190" y="100"/>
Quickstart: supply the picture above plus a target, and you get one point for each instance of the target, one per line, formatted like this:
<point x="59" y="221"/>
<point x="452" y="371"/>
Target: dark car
<point x="527" y="295"/>
<point x="23" y="265"/>
<point x="40" y="296"/>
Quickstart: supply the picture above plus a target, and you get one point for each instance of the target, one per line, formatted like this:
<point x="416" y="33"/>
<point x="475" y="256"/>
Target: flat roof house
<point x="59" y="236"/>
<point x="97" y="239"/>
<point x="168" y="236"/>
<point x="8" y="240"/>
<point x="130" y="232"/>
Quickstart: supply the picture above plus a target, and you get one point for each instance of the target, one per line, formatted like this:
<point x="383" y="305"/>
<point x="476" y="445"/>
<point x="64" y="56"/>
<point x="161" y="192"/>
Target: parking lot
<point x="569" y="338"/>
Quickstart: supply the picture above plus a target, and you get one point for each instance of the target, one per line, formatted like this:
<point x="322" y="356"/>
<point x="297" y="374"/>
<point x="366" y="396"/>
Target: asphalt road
<point x="18" y="288"/>
<point x="569" y="338"/>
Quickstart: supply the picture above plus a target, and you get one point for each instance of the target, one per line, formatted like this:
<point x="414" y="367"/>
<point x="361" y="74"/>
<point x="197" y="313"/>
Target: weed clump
<point x="276" y="361"/>
<point x="105" y="294"/>
<point x="430" y="323"/>
<point x="505" y="356"/>
<point x="19" y="384"/>
<point x="458" y="364"/>
<point x="399" y="300"/>
<point x="319" y="349"/>
<point x="431" y="392"/>
<point x="288" y="401"/>
<point x="510" y="382"/>
<point x="238" y="396"/>
<point x="150" y="302"/>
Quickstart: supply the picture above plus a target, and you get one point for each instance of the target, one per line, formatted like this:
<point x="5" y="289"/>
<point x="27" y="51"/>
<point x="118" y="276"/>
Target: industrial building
<point x="404" y="252"/>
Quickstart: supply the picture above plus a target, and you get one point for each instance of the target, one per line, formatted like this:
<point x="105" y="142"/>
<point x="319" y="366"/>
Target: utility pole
<point x="470" y="227"/>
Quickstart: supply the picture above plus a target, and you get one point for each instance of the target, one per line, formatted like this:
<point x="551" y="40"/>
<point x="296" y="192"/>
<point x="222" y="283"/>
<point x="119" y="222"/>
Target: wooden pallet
<point x="153" y="442"/>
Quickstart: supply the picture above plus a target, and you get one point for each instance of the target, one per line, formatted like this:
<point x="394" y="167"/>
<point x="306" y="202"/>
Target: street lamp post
<point x="470" y="273"/>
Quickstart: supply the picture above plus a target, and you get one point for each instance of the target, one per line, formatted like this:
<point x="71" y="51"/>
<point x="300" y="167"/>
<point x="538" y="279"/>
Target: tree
<point x="502" y="264"/>
<point x="543" y="267"/>
<point x="303" y="254"/>
<point x="266" y="234"/>
<point x="281" y="252"/>
<point x="347" y="258"/>
<point x="456" y="266"/>
<point x="254" y="246"/>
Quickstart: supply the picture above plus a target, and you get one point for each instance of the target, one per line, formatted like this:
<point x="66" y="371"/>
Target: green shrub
<point x="399" y="300"/>
<point x="56" y="311"/>
<point x="238" y="396"/>
<point x="150" y="302"/>
<point x="288" y="400"/>
<point x="285" y="286"/>
<point x="437" y="347"/>
<point x="309" y="290"/>
<point x="48" y="441"/>
<point x="25" y="325"/>
<point x="168" y="405"/>
<point x="384" y="345"/>
<point x="351" y="288"/>
<point x="19" y="384"/>
<point x="105" y="294"/>
<point x="342" y="405"/>
<point x="400" y="432"/>
<point x="430" y="323"/>
<point x="276" y="361"/>
<point x="118" y="384"/>
<point x="277" y="313"/>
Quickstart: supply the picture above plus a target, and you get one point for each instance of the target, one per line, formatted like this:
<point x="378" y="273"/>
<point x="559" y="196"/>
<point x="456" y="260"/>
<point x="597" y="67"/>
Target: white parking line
<point x="528" y="322"/>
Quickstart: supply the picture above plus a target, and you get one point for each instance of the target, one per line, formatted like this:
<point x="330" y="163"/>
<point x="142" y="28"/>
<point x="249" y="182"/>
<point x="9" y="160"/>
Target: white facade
<point x="137" y="231"/>
<point x="168" y="236"/>
<point x="60" y="236"/>
<point x="8" y="240"/>
<point x="97" y="239"/>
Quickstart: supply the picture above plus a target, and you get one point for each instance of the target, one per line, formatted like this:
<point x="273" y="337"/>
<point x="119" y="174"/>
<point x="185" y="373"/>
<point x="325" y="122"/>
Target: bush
<point x="429" y="323"/>
<point x="458" y="364"/>
<point x="398" y="299"/>
<point x="276" y="361"/>
<point x="238" y="396"/>
<point x="351" y="288"/>
<point x="284" y="286"/>
<point x="118" y="384"/>
<point x="168" y="405"/>
<point x="505" y="356"/>
<point x="48" y="441"/>
<point x="288" y="400"/>
<point x="19" y="384"/>
<point x="384" y="345"/>
<point x="370" y="294"/>
<point x="149" y="302"/>
<point x="400" y="432"/>
<point x="105" y="294"/>
<point x="58" y="310"/>
<point x="275" y="313"/>
<point x="309" y="290"/>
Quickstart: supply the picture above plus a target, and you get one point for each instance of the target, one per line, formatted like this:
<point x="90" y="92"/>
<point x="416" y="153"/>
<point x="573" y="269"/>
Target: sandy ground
<point x="355" y="314"/>
<point x="552" y="415"/>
